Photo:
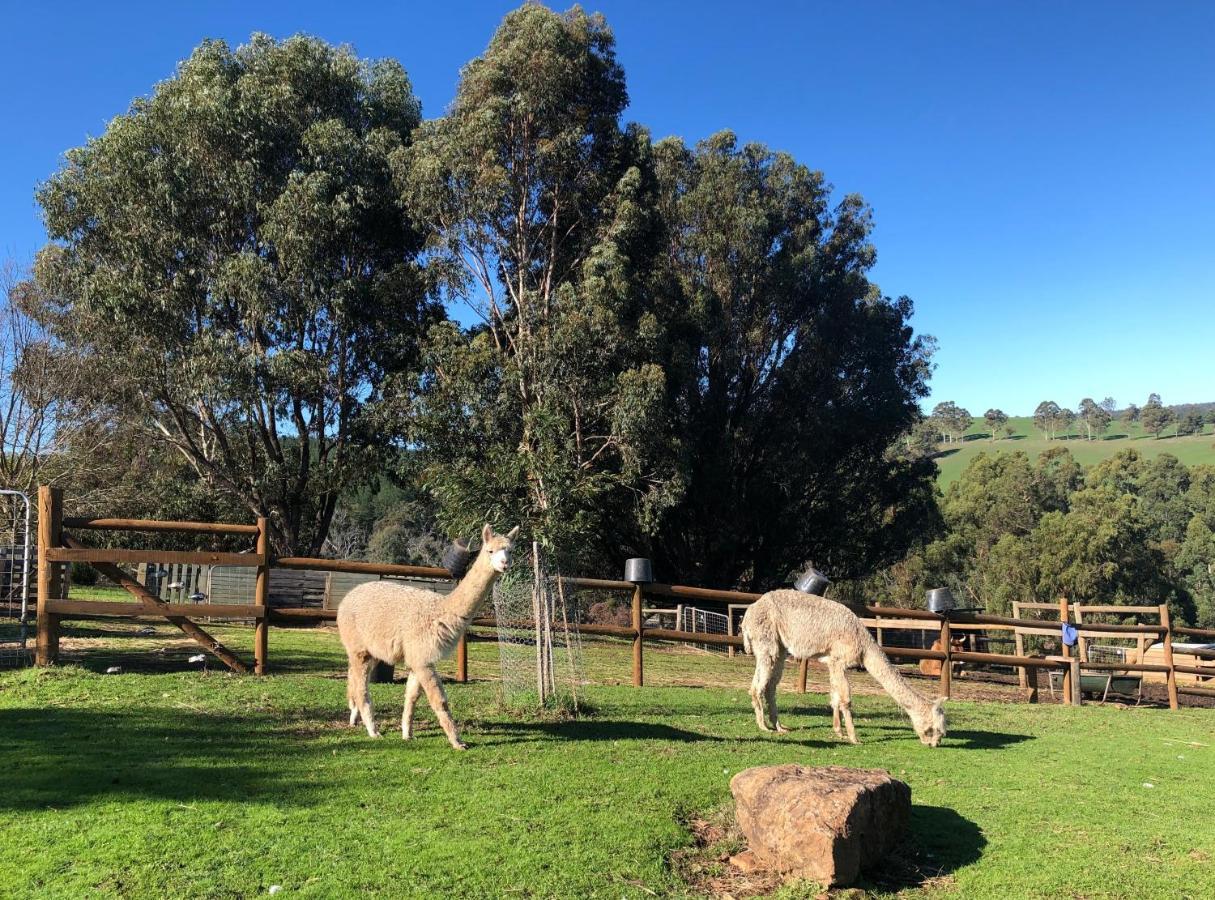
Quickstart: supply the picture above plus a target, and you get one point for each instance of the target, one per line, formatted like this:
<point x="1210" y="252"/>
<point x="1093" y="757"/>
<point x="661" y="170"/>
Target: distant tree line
<point x="1128" y="530"/>
<point x="948" y="422"/>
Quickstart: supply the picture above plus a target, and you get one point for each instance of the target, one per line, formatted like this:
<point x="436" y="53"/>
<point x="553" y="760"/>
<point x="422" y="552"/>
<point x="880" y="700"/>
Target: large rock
<point x="825" y="823"/>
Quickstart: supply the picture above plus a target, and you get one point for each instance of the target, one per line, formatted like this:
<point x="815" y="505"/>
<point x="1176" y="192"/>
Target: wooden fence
<point x="58" y="546"/>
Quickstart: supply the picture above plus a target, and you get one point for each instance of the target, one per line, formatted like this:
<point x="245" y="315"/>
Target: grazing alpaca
<point x="399" y="624"/>
<point x="810" y="627"/>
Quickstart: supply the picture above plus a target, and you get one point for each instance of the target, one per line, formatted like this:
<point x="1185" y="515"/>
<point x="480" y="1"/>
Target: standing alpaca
<point x="810" y="627"/>
<point x="399" y="624"/>
<point x="932" y="667"/>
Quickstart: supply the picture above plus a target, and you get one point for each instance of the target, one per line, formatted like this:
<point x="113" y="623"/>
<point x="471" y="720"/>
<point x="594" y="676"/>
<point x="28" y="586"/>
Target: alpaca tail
<point x="746" y="632"/>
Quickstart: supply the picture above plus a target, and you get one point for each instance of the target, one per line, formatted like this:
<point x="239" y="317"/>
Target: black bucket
<point x="639" y="571"/>
<point x="812" y="581"/>
<point x="455" y="560"/>
<point x="940" y="600"/>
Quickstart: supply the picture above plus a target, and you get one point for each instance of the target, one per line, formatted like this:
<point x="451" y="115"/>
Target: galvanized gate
<point x="16" y="563"/>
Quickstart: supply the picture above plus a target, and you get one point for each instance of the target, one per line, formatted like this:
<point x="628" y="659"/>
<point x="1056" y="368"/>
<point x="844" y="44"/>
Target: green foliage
<point x="1047" y="417"/>
<point x="681" y="356"/>
<point x="234" y="270"/>
<point x="791" y="377"/>
<point x="1156" y="417"/>
<point x="1128" y="530"/>
<point x="541" y="218"/>
<point x="996" y="421"/>
<point x="1096" y="417"/>
<point x="950" y="420"/>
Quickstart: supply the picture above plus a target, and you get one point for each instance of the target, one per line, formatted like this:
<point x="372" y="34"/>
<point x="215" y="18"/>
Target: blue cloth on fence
<point x="1070" y="634"/>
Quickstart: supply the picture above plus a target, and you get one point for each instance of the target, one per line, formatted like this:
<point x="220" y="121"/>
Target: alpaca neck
<point x="466" y="599"/>
<point x="878" y="665"/>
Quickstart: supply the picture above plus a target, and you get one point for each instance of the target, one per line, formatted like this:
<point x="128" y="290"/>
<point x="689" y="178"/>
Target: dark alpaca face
<point x="498" y="546"/>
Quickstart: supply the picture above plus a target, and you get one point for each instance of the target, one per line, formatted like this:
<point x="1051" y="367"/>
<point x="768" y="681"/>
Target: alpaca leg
<point x="364" y="699"/>
<point x="358" y="694"/>
<point x="841" y="696"/>
<point x="437" y="698"/>
<point x="778" y="669"/>
<point x="764" y="661"/>
<point x="412" y="688"/>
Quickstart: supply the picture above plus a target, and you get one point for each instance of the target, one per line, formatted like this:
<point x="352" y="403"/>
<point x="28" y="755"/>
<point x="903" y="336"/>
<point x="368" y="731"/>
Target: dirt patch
<point x="705" y="866"/>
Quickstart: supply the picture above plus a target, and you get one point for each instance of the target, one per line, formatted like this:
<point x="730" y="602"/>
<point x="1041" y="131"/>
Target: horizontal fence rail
<point x="56" y="548"/>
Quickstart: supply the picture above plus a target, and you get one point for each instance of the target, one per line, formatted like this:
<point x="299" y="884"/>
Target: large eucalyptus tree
<point x="234" y="270"/>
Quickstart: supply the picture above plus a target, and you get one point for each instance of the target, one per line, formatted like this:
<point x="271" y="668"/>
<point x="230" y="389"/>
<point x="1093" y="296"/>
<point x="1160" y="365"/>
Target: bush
<point x="83" y="573"/>
<point x="609" y="612"/>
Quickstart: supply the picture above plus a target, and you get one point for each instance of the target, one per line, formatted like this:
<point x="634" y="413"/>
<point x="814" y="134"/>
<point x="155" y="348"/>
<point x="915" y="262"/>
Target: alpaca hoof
<point x="459" y="745"/>
<point x="374" y="734"/>
<point x="781" y="729"/>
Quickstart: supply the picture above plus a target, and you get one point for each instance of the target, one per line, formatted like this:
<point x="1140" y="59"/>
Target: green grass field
<point x="171" y="783"/>
<point x="1191" y="449"/>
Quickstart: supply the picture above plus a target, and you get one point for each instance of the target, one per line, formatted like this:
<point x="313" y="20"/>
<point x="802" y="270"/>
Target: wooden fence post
<point x="947" y="665"/>
<point x="638" y="631"/>
<point x="50" y="519"/>
<point x="1019" y="650"/>
<point x="462" y="659"/>
<point x="802" y="671"/>
<point x="261" y="597"/>
<point x="1068" y="686"/>
<point x="1168" y="654"/>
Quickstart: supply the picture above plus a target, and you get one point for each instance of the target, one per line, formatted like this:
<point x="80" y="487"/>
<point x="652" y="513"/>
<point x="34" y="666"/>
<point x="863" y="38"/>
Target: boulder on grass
<point x="825" y="823"/>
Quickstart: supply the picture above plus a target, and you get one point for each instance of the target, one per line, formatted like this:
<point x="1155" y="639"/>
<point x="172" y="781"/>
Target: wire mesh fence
<point x="16" y="579"/>
<point x="539" y="644"/>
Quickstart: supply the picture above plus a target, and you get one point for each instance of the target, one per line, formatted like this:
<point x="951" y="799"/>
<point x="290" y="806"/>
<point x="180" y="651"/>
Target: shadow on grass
<point x="984" y="740"/>
<point x="59" y="758"/>
<point x="619" y="730"/>
<point x="941" y="841"/>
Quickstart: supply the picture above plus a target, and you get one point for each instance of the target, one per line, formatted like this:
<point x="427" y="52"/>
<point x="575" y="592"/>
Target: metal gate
<point x="16" y="562"/>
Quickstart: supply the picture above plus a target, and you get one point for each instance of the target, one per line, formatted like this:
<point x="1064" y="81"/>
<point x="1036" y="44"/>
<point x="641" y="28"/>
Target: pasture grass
<point x="167" y="782"/>
<point x="952" y="459"/>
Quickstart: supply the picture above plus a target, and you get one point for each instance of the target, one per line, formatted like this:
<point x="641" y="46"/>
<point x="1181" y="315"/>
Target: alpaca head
<point x="930" y="723"/>
<point x="497" y="547"/>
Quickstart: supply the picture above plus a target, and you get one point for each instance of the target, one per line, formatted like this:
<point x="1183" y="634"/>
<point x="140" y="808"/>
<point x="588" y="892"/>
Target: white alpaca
<point x="810" y="627"/>
<point x="399" y="624"/>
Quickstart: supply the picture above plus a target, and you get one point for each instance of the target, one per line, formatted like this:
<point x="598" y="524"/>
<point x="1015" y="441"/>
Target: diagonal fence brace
<point x="154" y="603"/>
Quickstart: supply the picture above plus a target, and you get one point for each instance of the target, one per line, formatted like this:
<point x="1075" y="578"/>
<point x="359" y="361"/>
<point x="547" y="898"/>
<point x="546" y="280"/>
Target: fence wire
<point x="16" y="579"/>
<point x="539" y="645"/>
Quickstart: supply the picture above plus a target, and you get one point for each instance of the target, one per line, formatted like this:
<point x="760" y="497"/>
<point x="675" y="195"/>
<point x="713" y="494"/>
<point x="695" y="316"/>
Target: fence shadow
<point x="618" y="730"/>
<point x="65" y="757"/>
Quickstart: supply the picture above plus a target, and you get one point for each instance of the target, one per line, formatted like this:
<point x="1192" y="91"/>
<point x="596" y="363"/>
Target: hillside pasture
<point x="952" y="459"/>
<point x="162" y="782"/>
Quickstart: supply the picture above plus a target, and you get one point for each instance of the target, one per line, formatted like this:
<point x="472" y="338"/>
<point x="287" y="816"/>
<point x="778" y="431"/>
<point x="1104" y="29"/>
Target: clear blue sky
<point x="1043" y="174"/>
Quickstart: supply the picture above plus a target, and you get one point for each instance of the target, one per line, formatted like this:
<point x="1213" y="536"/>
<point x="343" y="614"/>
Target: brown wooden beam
<point x="93" y="555"/>
<point x="110" y="609"/>
<point x="95" y="523"/>
<point x="261" y="596"/>
<point x="316" y="564"/>
<point x="50" y="518"/>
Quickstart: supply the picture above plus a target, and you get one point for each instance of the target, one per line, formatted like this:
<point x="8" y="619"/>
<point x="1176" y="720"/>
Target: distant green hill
<point x="1191" y="449"/>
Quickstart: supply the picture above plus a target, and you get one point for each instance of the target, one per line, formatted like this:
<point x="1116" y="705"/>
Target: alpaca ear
<point x="486" y="533"/>
<point x="513" y="533"/>
<point x="938" y="704"/>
